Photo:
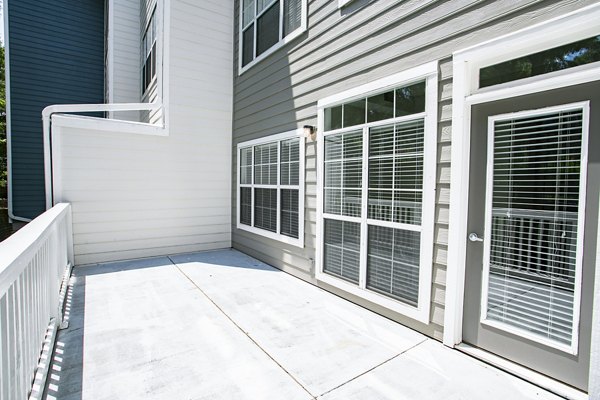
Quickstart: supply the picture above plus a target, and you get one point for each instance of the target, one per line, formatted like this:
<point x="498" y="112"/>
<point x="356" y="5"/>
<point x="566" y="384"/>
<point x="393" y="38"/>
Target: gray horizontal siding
<point x="342" y="50"/>
<point x="56" y="53"/>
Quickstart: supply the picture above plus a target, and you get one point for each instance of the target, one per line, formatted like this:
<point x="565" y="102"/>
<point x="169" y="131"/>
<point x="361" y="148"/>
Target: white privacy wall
<point x="135" y="195"/>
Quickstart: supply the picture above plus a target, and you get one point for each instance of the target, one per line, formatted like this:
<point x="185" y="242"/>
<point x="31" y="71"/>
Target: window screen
<point x="149" y="53"/>
<point x="396" y="172"/>
<point x="534" y="229"/>
<point x="289" y="212"/>
<point x="270" y="188"/>
<point x="265" y="164"/>
<point x="290" y="161"/>
<point x="342" y="249"/>
<point x="393" y="263"/>
<point x="265" y="209"/>
<point x="266" y="23"/>
<point x="246" y="206"/>
<point x="292" y="17"/>
<point x="267" y="29"/>
<point x="390" y="167"/>
<point x="343" y="174"/>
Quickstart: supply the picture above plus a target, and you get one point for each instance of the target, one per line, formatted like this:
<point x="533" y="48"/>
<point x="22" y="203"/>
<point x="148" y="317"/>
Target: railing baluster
<point x="32" y="267"/>
<point x="4" y="348"/>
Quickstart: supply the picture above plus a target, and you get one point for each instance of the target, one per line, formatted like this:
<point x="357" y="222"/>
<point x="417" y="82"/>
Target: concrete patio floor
<point x="222" y="325"/>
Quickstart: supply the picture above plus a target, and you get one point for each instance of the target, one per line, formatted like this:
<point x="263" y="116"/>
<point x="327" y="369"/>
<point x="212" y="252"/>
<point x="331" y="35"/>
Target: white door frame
<point x="565" y="29"/>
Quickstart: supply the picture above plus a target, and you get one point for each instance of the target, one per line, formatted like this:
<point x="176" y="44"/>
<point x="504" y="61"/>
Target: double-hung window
<point x="149" y="53"/>
<point x="376" y="206"/>
<point x="265" y="25"/>
<point x="271" y="187"/>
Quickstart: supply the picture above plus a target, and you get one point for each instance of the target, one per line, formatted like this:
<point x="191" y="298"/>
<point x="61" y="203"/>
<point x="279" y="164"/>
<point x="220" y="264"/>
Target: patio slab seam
<point x="242" y="330"/>
<point x="373" y="368"/>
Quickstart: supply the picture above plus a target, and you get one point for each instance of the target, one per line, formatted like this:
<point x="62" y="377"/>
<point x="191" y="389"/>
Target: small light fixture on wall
<point x="310" y="132"/>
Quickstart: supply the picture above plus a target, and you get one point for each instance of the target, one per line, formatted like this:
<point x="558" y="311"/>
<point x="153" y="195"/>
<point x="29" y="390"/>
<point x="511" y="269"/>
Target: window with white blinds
<point x="270" y="187"/>
<point x="533" y="255"/>
<point x="343" y="173"/>
<point x="378" y="195"/>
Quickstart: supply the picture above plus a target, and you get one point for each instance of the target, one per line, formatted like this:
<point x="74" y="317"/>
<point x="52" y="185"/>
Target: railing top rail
<point x="546" y="215"/>
<point x="79" y="108"/>
<point x="14" y="250"/>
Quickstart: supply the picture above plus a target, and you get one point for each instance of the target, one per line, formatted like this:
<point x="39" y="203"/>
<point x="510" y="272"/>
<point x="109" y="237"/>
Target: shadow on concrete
<point x="224" y="258"/>
<point x="65" y="376"/>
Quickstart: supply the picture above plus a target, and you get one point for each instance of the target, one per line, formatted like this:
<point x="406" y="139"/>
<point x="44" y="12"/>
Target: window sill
<point x="421" y="315"/>
<point x="272" y="235"/>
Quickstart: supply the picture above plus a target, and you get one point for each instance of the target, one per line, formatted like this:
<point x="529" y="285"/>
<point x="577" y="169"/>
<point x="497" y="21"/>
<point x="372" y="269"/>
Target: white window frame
<point x="342" y="3"/>
<point x="429" y="73"/>
<point x="151" y="26"/>
<point x="278" y="138"/>
<point x="282" y="40"/>
<point x="573" y="348"/>
<point x="567" y="28"/>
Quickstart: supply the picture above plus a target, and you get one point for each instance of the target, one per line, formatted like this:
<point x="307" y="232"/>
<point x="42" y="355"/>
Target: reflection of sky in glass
<point x="573" y="55"/>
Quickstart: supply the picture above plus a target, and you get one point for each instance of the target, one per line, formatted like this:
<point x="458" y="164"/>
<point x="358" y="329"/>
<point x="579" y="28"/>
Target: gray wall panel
<point x="343" y="49"/>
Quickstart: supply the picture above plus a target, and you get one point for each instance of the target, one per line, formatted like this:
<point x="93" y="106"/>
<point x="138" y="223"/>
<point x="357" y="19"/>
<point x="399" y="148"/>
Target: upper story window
<point x="149" y="53"/>
<point x="268" y="24"/>
<point x="271" y="187"/>
<point x="570" y="55"/>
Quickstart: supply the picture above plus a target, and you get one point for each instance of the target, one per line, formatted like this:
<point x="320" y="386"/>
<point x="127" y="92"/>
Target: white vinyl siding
<point x="136" y="195"/>
<point x="271" y="187"/>
<point x="124" y="84"/>
<point x="378" y="193"/>
<point x="532" y="261"/>
<point x="266" y="25"/>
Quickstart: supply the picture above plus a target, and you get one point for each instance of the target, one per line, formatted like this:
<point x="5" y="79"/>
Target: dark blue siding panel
<point x="56" y="53"/>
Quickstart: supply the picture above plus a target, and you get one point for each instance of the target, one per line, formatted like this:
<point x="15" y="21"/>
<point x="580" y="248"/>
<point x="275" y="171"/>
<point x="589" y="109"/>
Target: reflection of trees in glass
<point x="568" y="56"/>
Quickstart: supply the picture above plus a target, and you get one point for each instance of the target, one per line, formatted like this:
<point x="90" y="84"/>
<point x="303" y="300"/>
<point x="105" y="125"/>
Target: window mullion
<point x="255" y="20"/>
<point x="252" y="190"/>
<point x="281" y="11"/>
<point x="278" y="188"/>
<point x="362" y="275"/>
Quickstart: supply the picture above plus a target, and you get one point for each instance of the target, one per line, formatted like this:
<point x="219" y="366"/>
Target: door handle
<point x="474" y="238"/>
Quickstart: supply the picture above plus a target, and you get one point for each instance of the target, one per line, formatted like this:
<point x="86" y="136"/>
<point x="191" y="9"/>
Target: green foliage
<point x="555" y="59"/>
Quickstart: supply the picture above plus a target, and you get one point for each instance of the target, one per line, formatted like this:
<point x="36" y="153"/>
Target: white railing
<point x="32" y="264"/>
